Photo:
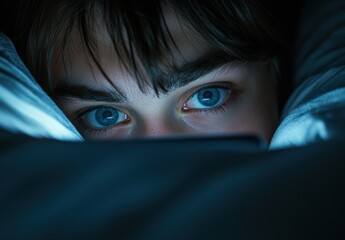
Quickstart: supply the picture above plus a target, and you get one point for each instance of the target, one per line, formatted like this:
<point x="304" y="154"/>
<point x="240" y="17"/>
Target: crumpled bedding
<point x="316" y="108"/>
<point x="25" y="107"/>
<point x="315" y="111"/>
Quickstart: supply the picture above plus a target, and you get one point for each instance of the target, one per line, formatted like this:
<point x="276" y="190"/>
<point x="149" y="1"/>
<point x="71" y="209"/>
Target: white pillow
<point x="24" y="107"/>
<point x="316" y="109"/>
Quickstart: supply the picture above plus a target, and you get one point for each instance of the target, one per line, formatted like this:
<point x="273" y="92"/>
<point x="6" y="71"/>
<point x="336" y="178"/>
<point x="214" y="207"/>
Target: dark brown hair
<point x="238" y="29"/>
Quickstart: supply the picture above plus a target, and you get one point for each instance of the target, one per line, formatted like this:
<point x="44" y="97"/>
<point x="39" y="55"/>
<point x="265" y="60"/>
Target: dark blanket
<point x="202" y="189"/>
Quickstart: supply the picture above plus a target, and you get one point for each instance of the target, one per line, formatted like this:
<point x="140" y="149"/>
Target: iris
<point x="103" y="117"/>
<point x="209" y="97"/>
<point x="106" y="116"/>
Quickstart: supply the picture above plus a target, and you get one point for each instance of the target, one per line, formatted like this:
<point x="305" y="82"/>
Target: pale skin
<point x="231" y="99"/>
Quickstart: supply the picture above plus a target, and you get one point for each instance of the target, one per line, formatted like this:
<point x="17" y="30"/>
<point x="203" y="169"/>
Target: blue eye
<point x="104" y="117"/>
<point x="206" y="98"/>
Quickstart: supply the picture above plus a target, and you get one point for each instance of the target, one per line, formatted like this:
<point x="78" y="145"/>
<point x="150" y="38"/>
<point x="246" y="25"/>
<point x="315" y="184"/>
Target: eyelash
<point x="84" y="127"/>
<point x="221" y="108"/>
<point x="212" y="111"/>
<point x="94" y="132"/>
<point x="89" y="130"/>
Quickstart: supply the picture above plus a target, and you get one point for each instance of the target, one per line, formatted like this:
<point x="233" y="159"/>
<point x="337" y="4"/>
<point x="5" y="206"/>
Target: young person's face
<point x="230" y="99"/>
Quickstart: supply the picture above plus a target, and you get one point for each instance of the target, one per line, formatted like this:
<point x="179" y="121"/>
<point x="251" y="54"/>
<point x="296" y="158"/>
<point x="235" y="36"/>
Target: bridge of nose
<point x="157" y="116"/>
<point x="157" y="125"/>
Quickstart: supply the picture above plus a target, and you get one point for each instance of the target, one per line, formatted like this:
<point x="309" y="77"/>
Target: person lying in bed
<point x="125" y="69"/>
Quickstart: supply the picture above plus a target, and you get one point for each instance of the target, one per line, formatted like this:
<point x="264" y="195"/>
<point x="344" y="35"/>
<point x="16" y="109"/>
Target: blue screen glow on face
<point x="228" y="98"/>
<point x="206" y="98"/>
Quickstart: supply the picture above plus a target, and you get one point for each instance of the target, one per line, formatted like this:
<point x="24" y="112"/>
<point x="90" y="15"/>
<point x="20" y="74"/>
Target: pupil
<point x="107" y="117"/>
<point x="207" y="94"/>
<point x="209" y="97"/>
<point x="107" y="114"/>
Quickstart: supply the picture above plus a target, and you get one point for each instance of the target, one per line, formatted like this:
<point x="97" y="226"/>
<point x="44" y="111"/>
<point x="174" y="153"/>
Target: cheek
<point x="259" y="122"/>
<point x="206" y="122"/>
<point x="252" y="114"/>
<point x="247" y="121"/>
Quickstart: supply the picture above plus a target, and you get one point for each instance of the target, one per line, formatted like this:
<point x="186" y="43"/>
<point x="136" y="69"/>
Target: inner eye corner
<point x="185" y="108"/>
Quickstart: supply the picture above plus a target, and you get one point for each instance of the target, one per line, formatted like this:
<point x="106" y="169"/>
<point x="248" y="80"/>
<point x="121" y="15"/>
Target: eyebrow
<point x="175" y="78"/>
<point x="65" y="92"/>
<point x="205" y="64"/>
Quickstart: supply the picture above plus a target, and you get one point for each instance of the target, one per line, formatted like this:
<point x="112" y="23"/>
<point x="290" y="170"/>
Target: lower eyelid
<point x="90" y="131"/>
<point x="211" y="111"/>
